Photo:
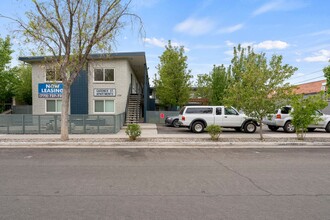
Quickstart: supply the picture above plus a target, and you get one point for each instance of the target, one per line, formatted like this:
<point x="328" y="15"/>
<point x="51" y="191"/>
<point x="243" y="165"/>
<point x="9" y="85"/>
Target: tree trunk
<point x="260" y="132"/>
<point x="65" y="112"/>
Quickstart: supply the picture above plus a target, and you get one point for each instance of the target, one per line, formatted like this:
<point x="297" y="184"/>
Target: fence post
<point x="70" y="124"/>
<point x="23" y="124"/>
<point x="8" y="123"/>
<point x="39" y="124"/>
<point x="115" y="122"/>
<point x="98" y="124"/>
<point x="84" y="123"/>
<point x="55" y="123"/>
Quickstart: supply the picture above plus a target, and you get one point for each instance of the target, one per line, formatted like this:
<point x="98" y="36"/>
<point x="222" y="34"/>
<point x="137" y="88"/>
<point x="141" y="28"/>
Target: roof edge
<point x="31" y="59"/>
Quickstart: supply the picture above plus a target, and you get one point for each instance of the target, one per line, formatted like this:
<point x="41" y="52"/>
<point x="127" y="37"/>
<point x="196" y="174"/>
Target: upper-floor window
<point x="104" y="75"/>
<point x="53" y="75"/>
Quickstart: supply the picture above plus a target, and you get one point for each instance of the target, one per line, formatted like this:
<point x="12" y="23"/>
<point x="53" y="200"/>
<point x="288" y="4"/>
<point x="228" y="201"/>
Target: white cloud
<point x="279" y="5"/>
<point x="324" y="32"/>
<point x="194" y="26"/>
<point x="247" y="44"/>
<point x="162" y="43"/>
<point x="271" y="6"/>
<point x="270" y="45"/>
<point x="231" y="29"/>
<point x="229" y="52"/>
<point x="266" y="45"/>
<point x="229" y="43"/>
<point x="320" y="56"/>
<point x="155" y="42"/>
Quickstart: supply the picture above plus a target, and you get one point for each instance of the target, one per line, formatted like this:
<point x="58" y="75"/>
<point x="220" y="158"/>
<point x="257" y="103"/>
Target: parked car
<point x="196" y="118"/>
<point x="283" y="119"/>
<point x="172" y="121"/>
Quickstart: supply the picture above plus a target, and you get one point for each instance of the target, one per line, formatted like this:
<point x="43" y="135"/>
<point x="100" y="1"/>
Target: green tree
<point x="203" y="86"/>
<point x="173" y="87"/>
<point x="23" y="87"/>
<point x="258" y="87"/>
<point x="220" y="81"/>
<point x="5" y="53"/>
<point x="326" y="71"/>
<point x="213" y="85"/>
<point x="69" y="31"/>
<point x="7" y="78"/>
<point x="305" y="112"/>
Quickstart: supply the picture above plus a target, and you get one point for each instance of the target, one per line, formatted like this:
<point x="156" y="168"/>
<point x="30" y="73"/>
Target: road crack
<point x="239" y="174"/>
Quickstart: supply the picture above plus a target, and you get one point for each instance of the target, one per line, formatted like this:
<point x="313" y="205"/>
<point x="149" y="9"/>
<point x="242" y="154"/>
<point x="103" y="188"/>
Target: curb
<point x="137" y="144"/>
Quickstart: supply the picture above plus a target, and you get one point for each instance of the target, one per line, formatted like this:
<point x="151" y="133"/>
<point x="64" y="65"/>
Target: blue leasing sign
<point x="50" y="90"/>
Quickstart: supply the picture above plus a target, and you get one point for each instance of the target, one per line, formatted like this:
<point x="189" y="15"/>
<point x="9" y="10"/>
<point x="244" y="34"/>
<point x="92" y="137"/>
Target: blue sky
<point x="209" y="29"/>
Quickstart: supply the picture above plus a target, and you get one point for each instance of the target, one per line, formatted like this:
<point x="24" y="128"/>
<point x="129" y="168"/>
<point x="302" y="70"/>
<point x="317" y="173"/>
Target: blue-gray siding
<point x="79" y="94"/>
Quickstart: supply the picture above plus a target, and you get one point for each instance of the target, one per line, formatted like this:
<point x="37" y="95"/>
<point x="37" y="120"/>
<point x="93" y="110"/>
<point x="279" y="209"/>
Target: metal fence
<point x="159" y="116"/>
<point x="22" y="109"/>
<point x="51" y="124"/>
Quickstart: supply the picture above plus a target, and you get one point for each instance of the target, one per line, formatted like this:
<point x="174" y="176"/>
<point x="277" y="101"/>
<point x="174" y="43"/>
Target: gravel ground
<point x="180" y="140"/>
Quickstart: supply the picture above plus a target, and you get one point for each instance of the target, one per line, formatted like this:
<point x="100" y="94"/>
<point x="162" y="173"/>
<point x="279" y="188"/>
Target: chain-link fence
<point x="51" y="124"/>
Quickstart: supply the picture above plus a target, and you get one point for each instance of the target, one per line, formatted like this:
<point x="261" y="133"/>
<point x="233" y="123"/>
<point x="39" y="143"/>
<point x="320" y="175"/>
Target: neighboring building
<point x="193" y="100"/>
<point x="104" y="87"/>
<point x="311" y="88"/>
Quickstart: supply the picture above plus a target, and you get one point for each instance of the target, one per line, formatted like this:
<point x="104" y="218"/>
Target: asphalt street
<point x="164" y="184"/>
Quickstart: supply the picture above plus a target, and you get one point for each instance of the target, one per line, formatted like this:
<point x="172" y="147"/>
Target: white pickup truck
<point x="196" y="118"/>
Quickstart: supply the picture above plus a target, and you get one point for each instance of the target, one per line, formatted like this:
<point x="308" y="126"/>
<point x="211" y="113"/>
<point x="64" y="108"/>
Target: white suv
<point x="196" y="118"/>
<point x="283" y="119"/>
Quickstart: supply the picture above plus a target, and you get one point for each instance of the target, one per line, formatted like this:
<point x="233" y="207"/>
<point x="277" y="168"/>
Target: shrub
<point x="133" y="131"/>
<point x="304" y="110"/>
<point x="214" y="131"/>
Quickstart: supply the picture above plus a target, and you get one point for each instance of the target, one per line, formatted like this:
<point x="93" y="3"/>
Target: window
<point x="53" y="106"/>
<point x="318" y="113"/>
<point x="104" y="75"/>
<point x="230" y="111"/>
<point x="53" y="75"/>
<point x="104" y="106"/>
<point x="218" y="111"/>
<point x="285" y="110"/>
<point x="199" y="110"/>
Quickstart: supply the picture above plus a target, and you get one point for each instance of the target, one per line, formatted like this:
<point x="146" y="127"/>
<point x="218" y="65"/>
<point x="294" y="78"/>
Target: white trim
<point x="53" y="81"/>
<point x="56" y="107"/>
<point x="104" y="113"/>
<point x="104" y="68"/>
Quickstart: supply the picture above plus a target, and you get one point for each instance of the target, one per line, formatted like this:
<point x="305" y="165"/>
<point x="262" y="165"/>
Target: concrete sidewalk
<point x="151" y="139"/>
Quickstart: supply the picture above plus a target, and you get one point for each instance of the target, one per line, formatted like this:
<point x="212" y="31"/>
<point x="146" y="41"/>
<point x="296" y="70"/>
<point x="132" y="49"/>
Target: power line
<point x="307" y="74"/>
<point x="309" y="80"/>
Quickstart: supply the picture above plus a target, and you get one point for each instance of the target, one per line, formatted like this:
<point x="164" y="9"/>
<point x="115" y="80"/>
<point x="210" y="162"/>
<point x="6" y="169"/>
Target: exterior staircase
<point x="133" y="109"/>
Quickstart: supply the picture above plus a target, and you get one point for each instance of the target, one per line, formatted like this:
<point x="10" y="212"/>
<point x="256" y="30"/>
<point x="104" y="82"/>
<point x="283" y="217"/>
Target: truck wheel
<point x="272" y="128"/>
<point x="327" y="128"/>
<point x="250" y="127"/>
<point x="198" y="127"/>
<point x="289" y="128"/>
